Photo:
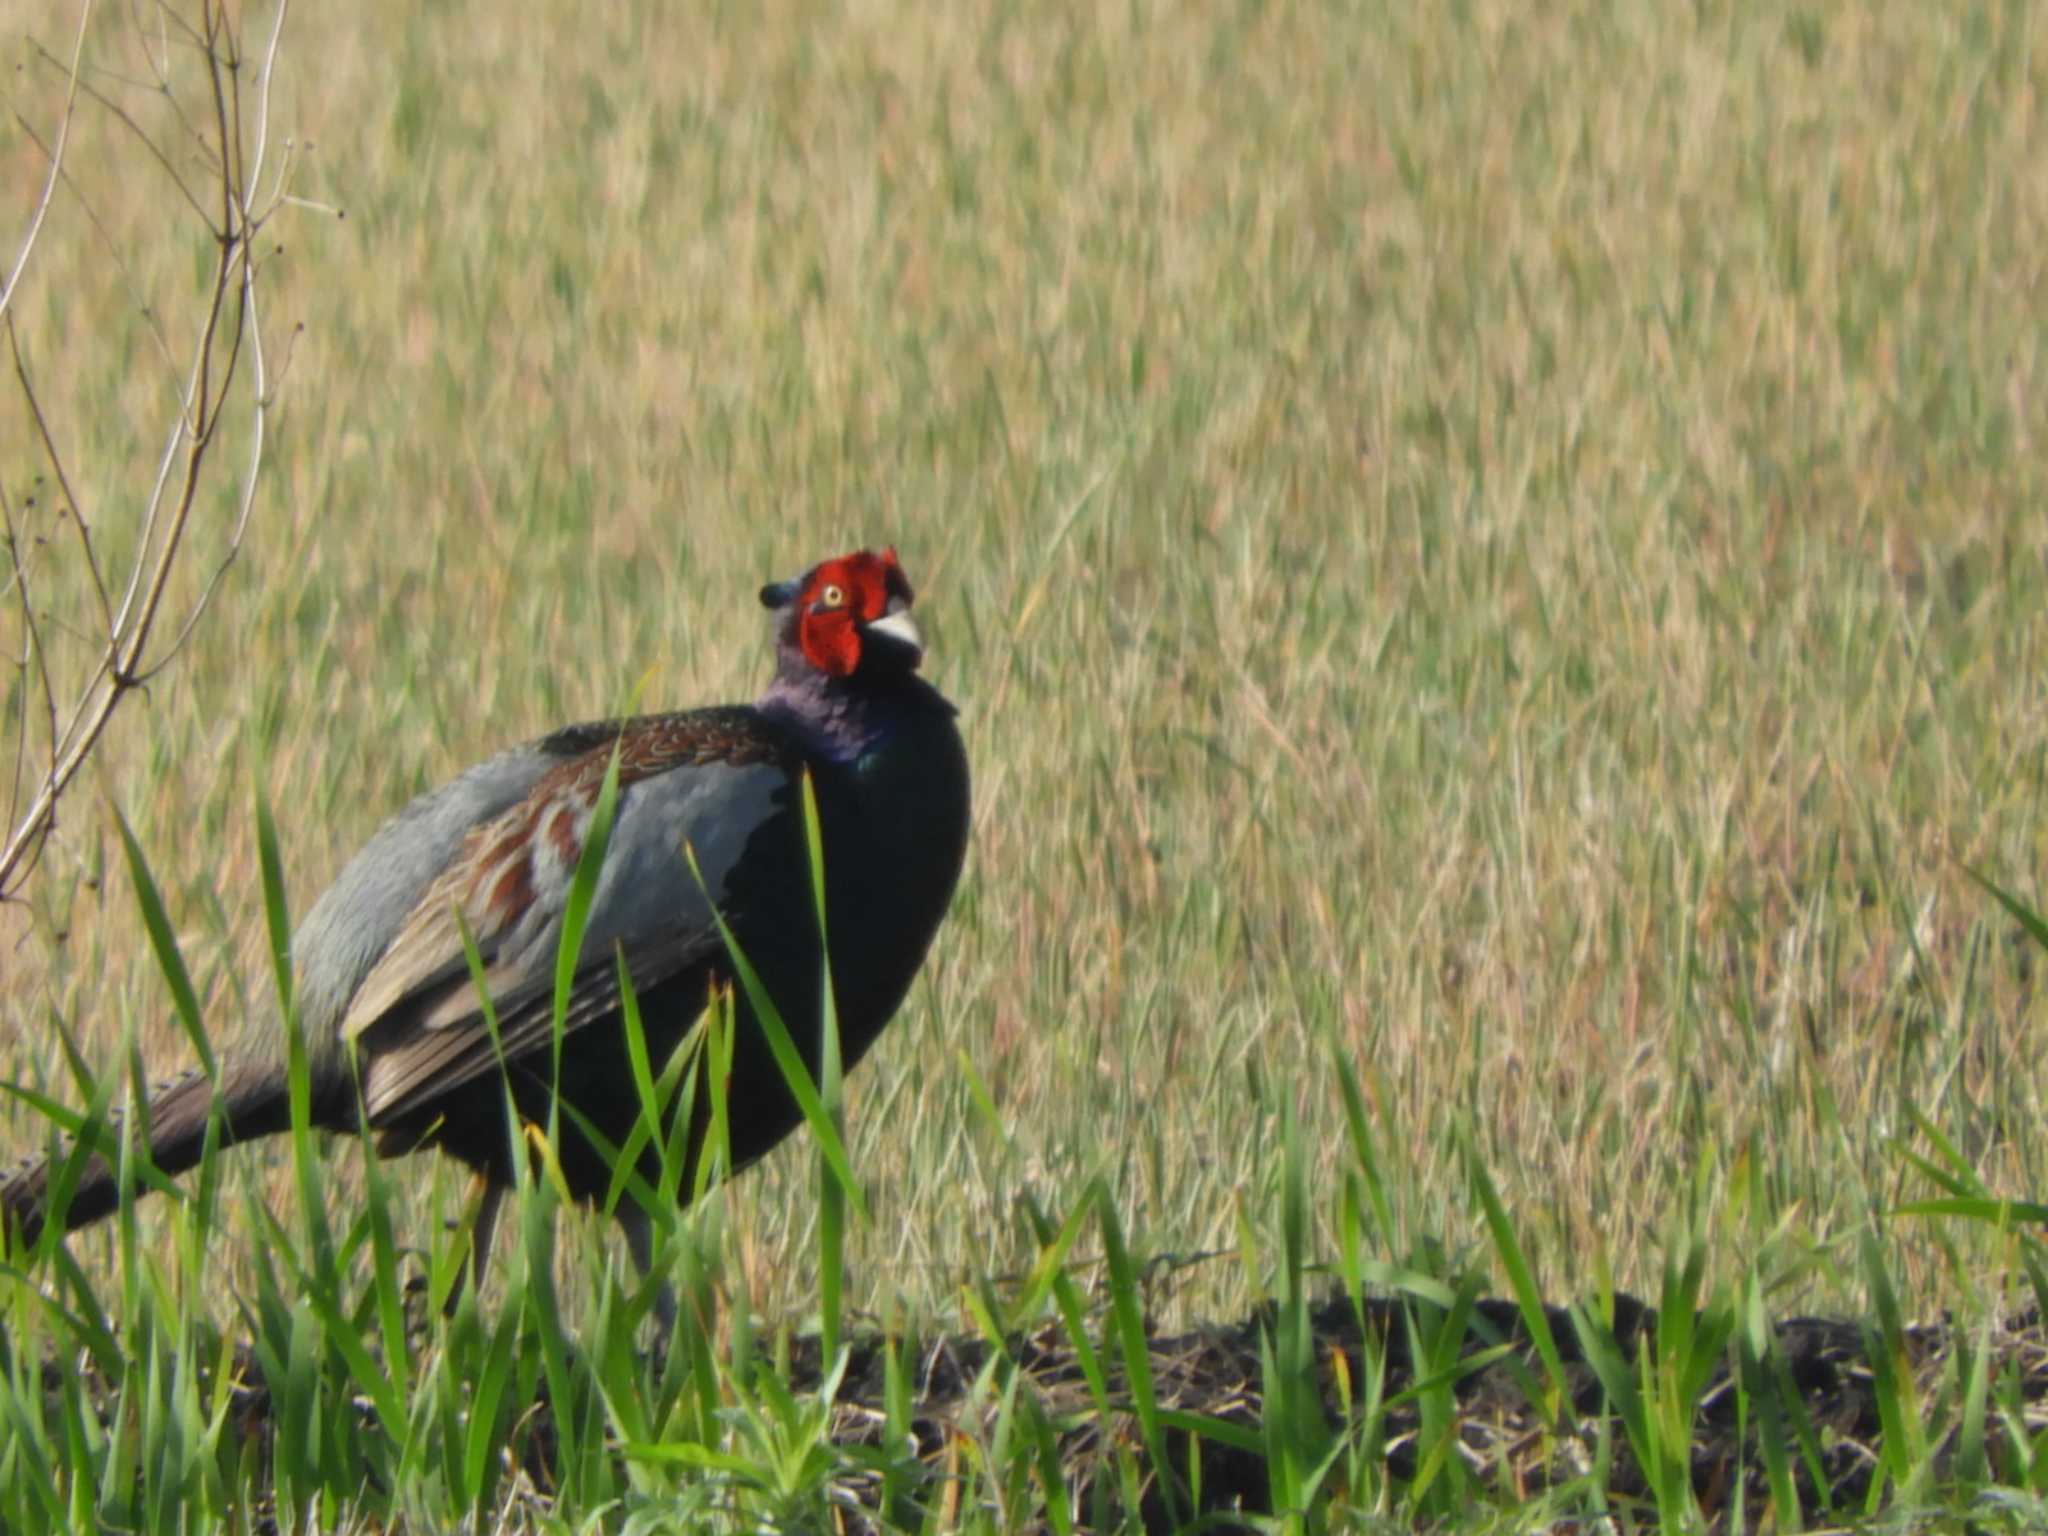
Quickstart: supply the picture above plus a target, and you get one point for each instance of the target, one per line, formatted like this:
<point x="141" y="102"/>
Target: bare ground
<point x="1508" y="1447"/>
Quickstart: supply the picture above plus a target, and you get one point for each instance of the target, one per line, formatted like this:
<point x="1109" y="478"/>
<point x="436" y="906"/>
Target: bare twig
<point x="110" y="245"/>
<point x="222" y="388"/>
<point x="155" y="150"/>
<point x="71" y="497"/>
<point x="42" y="208"/>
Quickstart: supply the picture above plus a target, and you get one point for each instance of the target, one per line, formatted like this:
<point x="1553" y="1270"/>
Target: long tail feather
<point x="254" y="1102"/>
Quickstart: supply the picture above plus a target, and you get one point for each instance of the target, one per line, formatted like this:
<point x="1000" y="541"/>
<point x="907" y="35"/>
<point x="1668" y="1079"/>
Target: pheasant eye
<point x="833" y="596"/>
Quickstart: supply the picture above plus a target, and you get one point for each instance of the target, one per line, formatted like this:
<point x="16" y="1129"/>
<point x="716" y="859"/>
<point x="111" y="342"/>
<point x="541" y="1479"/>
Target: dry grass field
<point x="1503" y="546"/>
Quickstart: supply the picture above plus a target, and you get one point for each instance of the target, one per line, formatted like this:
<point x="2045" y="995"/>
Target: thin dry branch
<point x="221" y="389"/>
<point x="55" y="172"/>
<point x="64" y="487"/>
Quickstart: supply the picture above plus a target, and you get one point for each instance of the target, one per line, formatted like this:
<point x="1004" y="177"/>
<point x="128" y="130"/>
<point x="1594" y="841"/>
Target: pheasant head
<point x="849" y="616"/>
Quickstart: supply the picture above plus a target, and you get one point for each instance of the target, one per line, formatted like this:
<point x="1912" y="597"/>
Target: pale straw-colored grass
<point x="1509" y="542"/>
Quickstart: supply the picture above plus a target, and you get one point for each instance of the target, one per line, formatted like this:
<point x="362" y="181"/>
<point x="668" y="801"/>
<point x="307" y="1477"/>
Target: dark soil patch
<point x="1822" y="1365"/>
<point x="1826" y="1402"/>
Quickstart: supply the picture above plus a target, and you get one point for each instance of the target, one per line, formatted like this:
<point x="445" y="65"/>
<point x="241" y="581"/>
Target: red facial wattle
<point x="841" y="598"/>
<point x="830" y="640"/>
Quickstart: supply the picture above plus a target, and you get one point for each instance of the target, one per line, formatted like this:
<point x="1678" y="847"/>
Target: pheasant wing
<point x="716" y="780"/>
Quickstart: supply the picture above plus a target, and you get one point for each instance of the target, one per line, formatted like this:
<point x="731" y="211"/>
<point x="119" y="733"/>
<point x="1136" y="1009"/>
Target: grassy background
<point x="1507" y="542"/>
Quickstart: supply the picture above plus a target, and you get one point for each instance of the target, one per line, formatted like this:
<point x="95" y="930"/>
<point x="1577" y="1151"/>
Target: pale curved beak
<point x="897" y="625"/>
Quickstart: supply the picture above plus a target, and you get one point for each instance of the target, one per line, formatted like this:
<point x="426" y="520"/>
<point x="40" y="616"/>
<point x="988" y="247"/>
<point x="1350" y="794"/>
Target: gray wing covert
<point x="417" y="1020"/>
<point x="355" y="919"/>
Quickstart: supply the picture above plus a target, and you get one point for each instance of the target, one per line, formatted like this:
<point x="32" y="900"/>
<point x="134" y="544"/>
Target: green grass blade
<point x="1049" y="1273"/>
<point x="2028" y="919"/>
<point x="276" y="908"/>
<point x="1528" y="1299"/>
<point x="787" y="1058"/>
<point x="164" y="945"/>
<point x="832" y="1193"/>
<point x="1135" y="1349"/>
<point x="576" y="915"/>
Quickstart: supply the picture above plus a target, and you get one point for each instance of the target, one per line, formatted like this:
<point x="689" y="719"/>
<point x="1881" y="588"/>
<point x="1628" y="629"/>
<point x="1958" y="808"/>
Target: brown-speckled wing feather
<point x="709" y="778"/>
